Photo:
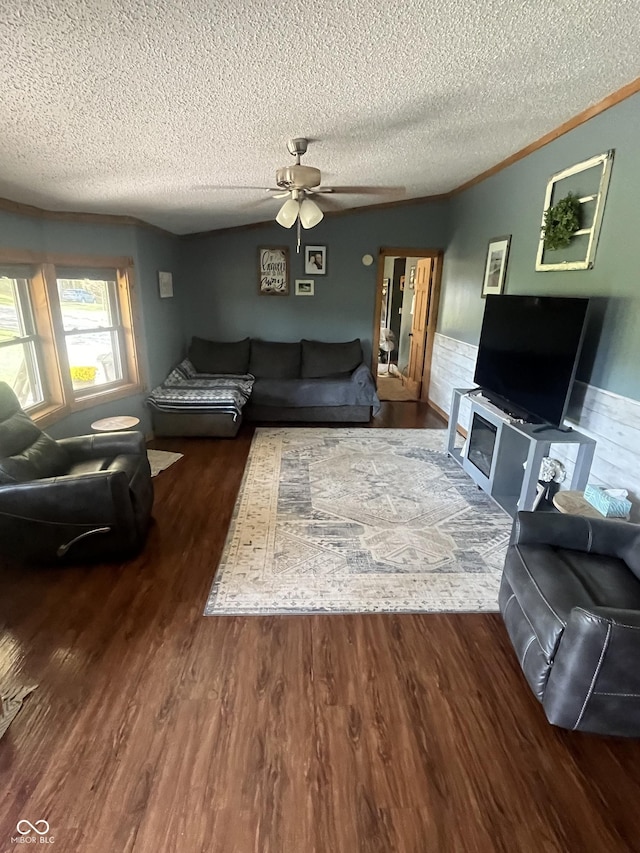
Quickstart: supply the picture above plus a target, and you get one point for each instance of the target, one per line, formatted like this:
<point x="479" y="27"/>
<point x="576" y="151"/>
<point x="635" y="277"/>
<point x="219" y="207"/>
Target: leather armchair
<point x="570" y="600"/>
<point x="83" y="498"/>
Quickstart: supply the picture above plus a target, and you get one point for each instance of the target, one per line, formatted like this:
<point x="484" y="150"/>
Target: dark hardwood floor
<point x="157" y="729"/>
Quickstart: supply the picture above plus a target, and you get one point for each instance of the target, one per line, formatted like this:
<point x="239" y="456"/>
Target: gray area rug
<point x="358" y="521"/>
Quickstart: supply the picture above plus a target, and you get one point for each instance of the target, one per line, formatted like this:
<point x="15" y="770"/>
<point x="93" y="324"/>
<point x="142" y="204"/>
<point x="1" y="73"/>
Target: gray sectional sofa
<point x="303" y="381"/>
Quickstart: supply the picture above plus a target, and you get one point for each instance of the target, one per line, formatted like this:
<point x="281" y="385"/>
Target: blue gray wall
<point x="161" y="318"/>
<point x="511" y="202"/>
<point x="222" y="274"/>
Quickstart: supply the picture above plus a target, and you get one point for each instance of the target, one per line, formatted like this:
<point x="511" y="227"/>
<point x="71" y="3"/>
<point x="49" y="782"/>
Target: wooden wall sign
<point x="273" y="270"/>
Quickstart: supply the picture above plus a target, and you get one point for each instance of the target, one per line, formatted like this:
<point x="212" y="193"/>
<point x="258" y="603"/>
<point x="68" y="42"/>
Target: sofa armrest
<point x="617" y="617"/>
<point x="103" y="444"/>
<point x="555" y="529"/>
<point x="86" y="499"/>
<point x="362" y="376"/>
<point x="594" y="685"/>
<point x="576" y="532"/>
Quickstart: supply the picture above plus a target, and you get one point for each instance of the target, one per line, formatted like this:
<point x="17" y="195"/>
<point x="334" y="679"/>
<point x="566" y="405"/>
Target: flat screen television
<point x="528" y="353"/>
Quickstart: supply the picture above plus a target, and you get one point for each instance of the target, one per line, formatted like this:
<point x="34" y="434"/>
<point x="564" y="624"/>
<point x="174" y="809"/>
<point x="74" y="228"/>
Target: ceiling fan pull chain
<point x="298" y="243"/>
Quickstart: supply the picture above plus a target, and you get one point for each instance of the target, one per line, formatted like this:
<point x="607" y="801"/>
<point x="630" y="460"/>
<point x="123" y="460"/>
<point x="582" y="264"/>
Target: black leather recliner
<point x="83" y="498"/>
<point x="570" y="599"/>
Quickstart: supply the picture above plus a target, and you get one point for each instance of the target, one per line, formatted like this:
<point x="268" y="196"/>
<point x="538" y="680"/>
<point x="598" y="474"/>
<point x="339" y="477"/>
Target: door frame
<point x="436" y="276"/>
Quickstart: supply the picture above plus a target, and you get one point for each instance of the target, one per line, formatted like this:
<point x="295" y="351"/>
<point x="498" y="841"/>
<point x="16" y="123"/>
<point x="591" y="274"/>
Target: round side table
<point x="115" y="424"/>
<point x="573" y="503"/>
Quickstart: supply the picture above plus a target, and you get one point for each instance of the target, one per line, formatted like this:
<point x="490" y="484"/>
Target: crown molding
<point x="76" y="216"/>
<point x="606" y="103"/>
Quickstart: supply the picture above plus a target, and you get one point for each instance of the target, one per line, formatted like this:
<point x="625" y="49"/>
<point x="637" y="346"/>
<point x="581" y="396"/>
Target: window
<point x="67" y="333"/>
<point x="20" y="359"/>
<point x="92" y="328"/>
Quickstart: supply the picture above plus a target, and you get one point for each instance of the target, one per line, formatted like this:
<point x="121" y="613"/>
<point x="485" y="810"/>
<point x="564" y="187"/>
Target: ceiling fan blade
<point x="327" y="203"/>
<point x="226" y="187"/>
<point x="372" y="190"/>
<point x="257" y="202"/>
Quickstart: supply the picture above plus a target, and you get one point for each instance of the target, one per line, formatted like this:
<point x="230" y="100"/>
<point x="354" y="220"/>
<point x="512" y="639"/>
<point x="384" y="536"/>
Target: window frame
<point x="116" y="328"/>
<point x="60" y="397"/>
<point x="30" y="339"/>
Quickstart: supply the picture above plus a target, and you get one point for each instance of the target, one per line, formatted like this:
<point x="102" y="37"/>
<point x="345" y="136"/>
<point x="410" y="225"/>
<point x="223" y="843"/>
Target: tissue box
<point x="609" y="506"/>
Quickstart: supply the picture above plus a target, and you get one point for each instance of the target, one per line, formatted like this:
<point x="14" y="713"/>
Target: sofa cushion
<point x="17" y="432"/>
<point x="43" y="458"/>
<point x="320" y="359"/>
<point x="220" y="356"/>
<point x="90" y="466"/>
<point x="305" y="393"/>
<point x="273" y="360"/>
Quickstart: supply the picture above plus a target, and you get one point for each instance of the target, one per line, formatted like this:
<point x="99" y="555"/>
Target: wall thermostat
<point x="367" y="260"/>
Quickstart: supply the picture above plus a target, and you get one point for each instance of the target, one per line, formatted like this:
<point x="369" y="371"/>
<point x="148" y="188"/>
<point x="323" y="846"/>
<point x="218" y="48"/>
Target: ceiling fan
<point x="300" y="183"/>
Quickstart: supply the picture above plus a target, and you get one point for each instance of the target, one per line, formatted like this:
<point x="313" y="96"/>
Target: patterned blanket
<point x="185" y="390"/>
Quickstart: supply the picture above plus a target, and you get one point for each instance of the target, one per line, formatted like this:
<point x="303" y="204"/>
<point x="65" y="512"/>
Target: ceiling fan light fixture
<point x="310" y="213"/>
<point x="288" y="213"/>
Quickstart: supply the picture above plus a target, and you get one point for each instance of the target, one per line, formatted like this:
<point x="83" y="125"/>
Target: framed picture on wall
<point x="165" y="285"/>
<point x="315" y="260"/>
<point x="304" y="287"/>
<point x="495" y="268"/>
<point x="273" y="270"/>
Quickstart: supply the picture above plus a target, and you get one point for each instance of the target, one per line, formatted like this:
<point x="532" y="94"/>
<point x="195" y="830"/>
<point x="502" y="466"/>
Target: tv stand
<point x="498" y="446"/>
<point x="544" y="427"/>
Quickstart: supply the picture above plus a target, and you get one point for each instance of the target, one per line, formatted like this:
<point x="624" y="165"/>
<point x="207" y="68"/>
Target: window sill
<point x="50" y="414"/>
<point x="100" y="397"/>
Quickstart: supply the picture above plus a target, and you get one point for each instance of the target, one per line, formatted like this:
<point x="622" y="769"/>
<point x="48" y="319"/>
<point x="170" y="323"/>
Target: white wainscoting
<point x="452" y="366"/>
<point x="613" y="421"/>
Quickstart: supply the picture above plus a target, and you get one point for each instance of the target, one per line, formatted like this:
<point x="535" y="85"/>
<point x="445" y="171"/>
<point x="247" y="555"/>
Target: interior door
<point x="418" y="335"/>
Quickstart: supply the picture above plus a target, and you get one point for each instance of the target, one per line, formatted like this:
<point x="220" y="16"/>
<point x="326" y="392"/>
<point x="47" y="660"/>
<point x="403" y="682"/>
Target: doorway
<point x="406" y="313"/>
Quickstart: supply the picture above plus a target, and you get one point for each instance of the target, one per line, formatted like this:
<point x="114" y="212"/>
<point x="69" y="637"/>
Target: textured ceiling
<point x="132" y="107"/>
